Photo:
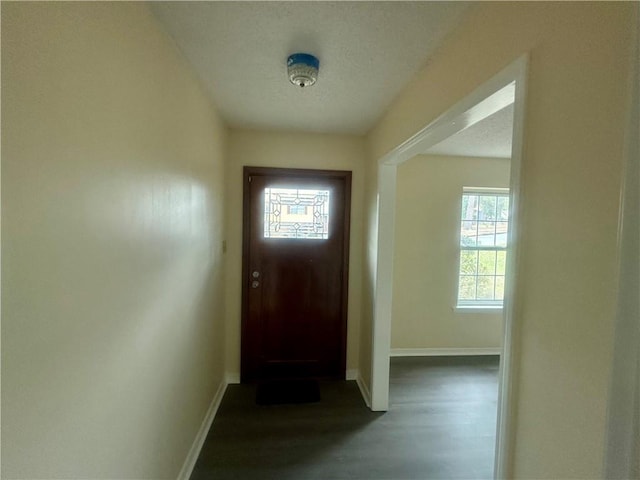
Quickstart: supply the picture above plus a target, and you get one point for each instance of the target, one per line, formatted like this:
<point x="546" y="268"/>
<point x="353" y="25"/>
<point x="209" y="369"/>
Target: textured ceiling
<point x="490" y="137"/>
<point x="368" y="52"/>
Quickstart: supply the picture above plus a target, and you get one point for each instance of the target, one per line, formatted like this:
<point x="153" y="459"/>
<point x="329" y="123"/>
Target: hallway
<point x="441" y="425"/>
<point x="122" y="233"/>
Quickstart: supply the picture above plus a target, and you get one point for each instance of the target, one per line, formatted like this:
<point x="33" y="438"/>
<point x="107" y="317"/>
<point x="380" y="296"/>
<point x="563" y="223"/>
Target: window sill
<point x="490" y="309"/>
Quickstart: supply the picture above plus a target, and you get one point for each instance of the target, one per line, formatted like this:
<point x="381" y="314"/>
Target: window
<point x="483" y="247"/>
<point x="297" y="209"/>
<point x="296" y="213"/>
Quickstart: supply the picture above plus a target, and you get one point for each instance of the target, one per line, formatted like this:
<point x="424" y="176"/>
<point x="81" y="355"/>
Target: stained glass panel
<point x="296" y="213"/>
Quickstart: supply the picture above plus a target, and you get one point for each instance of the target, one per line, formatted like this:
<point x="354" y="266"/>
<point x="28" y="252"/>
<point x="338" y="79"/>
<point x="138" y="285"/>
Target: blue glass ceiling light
<point x="302" y="69"/>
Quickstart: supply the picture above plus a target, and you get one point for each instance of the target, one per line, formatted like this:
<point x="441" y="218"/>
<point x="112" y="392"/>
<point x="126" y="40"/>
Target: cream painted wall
<point x="622" y="459"/>
<point x="369" y="265"/>
<point x="291" y="150"/>
<point x="574" y="126"/>
<point x="426" y="253"/>
<point x="112" y="212"/>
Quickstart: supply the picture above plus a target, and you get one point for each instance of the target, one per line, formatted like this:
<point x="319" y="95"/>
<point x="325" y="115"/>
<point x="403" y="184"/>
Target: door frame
<point x="461" y="115"/>
<point x="345" y="177"/>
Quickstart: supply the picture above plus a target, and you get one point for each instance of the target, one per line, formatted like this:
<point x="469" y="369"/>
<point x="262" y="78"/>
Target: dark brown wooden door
<point x="296" y="240"/>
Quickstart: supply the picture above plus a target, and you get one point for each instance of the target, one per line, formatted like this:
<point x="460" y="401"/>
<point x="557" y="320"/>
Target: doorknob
<point x="255" y="274"/>
<point x="255" y="284"/>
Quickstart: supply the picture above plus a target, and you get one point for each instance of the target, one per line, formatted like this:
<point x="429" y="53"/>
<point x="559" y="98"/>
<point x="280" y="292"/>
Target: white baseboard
<point x="364" y="390"/>
<point x="437" y="352"/>
<point x="352" y="374"/>
<point x="234" y="378"/>
<point x="198" y="442"/>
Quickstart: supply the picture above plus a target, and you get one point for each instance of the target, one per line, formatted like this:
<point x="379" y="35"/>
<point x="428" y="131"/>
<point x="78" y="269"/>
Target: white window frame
<point x="473" y="306"/>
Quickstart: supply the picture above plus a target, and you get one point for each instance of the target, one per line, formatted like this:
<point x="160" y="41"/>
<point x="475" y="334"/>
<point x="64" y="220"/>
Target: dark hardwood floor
<point x="441" y="425"/>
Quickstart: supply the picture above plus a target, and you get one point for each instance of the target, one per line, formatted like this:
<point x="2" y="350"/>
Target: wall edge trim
<point x="364" y="390"/>
<point x="198" y="441"/>
<point x="442" y="352"/>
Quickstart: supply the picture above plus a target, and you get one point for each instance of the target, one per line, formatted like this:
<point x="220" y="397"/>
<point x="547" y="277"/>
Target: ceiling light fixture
<point x="302" y="69"/>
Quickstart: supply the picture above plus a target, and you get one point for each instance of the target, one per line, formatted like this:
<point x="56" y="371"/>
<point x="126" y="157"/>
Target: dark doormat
<point x="287" y="391"/>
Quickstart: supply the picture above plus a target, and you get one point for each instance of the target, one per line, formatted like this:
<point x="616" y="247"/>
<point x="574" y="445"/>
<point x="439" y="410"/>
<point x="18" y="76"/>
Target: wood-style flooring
<point x="441" y="425"/>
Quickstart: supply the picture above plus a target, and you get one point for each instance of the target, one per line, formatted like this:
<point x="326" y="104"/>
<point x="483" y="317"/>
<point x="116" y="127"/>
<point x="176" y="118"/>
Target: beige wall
<point x="623" y="431"/>
<point x="292" y="150"/>
<point x="369" y="261"/>
<point x="426" y="253"/>
<point x="574" y="126"/>
<point x="112" y="212"/>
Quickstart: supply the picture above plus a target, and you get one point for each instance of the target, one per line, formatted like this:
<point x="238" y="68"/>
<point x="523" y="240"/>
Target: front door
<point x="295" y="259"/>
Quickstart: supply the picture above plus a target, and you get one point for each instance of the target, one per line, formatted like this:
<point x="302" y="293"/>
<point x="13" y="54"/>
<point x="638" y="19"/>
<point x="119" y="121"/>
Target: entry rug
<point x="287" y="391"/>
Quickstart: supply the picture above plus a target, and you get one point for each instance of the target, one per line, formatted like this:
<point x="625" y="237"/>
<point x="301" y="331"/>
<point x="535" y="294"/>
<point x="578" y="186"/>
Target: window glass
<point x="483" y="240"/>
<point x="296" y="213"/>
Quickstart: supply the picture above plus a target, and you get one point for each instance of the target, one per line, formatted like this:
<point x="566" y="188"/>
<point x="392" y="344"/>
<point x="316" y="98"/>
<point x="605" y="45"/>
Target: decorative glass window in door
<point x="296" y="213"/>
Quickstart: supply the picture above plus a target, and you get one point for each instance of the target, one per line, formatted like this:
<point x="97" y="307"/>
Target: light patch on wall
<point x="151" y="208"/>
